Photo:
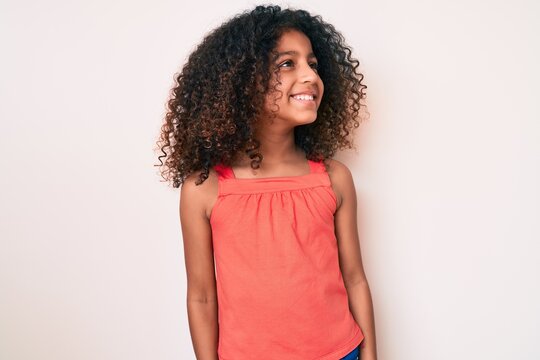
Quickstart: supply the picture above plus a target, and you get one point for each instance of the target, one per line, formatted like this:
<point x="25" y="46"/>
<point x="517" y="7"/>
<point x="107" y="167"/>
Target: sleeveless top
<point x="280" y="289"/>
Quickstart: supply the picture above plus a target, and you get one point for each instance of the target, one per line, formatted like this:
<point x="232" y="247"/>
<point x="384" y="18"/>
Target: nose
<point x="307" y="73"/>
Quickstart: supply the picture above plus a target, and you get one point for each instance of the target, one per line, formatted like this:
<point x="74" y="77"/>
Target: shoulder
<point x="341" y="179"/>
<point x="199" y="199"/>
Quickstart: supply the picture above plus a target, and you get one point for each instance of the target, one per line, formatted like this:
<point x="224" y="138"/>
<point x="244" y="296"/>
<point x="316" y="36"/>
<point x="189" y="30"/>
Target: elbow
<point x="201" y="295"/>
<point x="355" y="281"/>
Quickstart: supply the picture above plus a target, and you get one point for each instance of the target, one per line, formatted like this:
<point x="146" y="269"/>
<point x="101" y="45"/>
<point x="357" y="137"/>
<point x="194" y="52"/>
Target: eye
<point x="314" y="65"/>
<point x="285" y="62"/>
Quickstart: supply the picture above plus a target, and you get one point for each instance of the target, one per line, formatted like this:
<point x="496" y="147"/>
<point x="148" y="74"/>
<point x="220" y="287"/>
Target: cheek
<point x="272" y="101"/>
<point x="278" y="96"/>
<point x="321" y="85"/>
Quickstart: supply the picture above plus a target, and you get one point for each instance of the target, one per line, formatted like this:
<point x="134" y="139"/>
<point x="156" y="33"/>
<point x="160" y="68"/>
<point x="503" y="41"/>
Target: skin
<point x="281" y="158"/>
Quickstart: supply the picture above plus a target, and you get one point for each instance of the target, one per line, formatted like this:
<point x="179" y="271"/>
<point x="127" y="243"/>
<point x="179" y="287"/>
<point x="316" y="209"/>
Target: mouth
<point x="304" y="98"/>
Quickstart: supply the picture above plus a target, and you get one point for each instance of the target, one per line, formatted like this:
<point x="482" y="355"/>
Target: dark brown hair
<point x="220" y="92"/>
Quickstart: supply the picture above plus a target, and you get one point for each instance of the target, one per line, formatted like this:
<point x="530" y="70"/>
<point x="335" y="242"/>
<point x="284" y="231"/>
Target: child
<point x="268" y="219"/>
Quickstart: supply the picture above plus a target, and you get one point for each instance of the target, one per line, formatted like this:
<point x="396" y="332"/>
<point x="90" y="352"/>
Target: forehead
<point x="294" y="42"/>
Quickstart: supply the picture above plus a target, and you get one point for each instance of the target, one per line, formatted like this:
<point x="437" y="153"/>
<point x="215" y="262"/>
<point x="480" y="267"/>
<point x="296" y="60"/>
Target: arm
<point x="350" y="258"/>
<point x="201" y="283"/>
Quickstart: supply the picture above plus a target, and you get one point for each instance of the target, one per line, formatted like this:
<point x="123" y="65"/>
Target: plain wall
<point x="446" y="172"/>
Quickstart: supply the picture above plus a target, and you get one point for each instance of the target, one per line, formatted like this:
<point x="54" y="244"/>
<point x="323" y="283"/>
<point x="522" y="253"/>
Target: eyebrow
<point x="291" y="52"/>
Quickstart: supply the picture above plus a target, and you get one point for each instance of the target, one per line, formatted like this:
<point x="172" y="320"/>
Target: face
<point x="300" y="92"/>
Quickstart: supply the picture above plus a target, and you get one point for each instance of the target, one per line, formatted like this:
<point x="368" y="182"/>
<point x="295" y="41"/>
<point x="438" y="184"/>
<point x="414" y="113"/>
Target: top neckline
<point x="312" y="170"/>
<point x="227" y="184"/>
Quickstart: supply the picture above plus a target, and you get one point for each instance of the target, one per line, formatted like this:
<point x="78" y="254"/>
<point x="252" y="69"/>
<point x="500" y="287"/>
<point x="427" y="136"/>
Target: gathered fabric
<point x="280" y="289"/>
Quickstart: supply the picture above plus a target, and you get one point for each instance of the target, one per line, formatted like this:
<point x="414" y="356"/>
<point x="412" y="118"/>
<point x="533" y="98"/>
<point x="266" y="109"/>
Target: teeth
<point x="303" y="97"/>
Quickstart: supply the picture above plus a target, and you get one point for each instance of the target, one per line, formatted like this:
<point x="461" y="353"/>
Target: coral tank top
<point x="280" y="290"/>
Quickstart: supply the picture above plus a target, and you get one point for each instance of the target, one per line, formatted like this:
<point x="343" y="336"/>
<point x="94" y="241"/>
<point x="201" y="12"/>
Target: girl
<point x="268" y="219"/>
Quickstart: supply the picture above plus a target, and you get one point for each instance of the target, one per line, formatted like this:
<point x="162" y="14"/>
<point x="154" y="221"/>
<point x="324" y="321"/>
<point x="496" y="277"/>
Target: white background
<point x="447" y="175"/>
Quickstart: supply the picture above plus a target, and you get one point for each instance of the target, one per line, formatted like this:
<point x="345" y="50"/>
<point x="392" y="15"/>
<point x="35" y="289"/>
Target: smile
<point x="304" y="100"/>
<point x="303" y="97"/>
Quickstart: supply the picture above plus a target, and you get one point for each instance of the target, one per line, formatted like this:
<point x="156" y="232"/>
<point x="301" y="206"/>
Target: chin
<point x="304" y="120"/>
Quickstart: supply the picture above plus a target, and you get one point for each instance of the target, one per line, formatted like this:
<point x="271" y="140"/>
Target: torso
<point x="275" y="235"/>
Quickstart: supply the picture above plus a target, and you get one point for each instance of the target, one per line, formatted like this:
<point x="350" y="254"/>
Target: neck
<point x="277" y="148"/>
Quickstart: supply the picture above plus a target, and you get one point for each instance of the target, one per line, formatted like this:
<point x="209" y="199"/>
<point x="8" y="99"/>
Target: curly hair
<point x="220" y="92"/>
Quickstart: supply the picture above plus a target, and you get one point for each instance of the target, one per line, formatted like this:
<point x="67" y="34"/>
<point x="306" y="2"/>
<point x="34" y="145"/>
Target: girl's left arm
<point x="350" y="259"/>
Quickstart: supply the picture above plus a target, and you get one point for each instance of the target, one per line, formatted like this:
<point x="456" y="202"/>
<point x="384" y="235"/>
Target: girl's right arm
<point x="198" y="253"/>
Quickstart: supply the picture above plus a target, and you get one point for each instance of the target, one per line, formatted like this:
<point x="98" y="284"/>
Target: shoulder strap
<point x="223" y="172"/>
<point x="317" y="166"/>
